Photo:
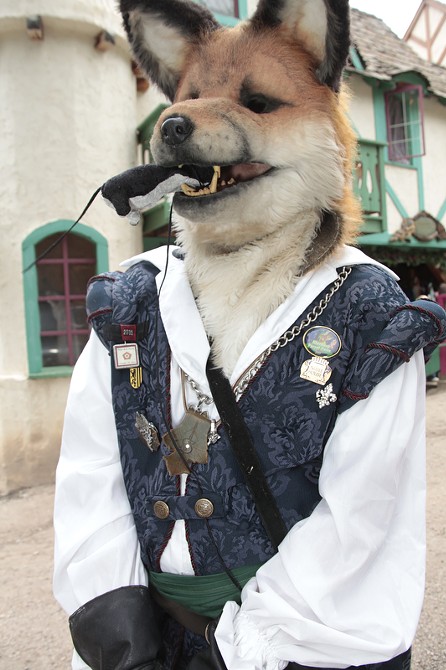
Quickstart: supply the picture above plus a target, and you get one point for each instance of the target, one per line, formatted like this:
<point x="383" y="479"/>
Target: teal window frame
<point x="416" y="164"/>
<point x="30" y="289"/>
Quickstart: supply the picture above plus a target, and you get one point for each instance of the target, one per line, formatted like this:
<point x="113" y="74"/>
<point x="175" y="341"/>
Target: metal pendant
<point x="136" y="377"/>
<point x="147" y="432"/>
<point x="325" y="396"/>
<point x="213" y="435"/>
<point x="316" y="370"/>
<point x="187" y="442"/>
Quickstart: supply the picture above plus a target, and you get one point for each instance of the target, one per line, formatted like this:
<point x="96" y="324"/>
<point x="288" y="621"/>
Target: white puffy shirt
<point x="346" y="586"/>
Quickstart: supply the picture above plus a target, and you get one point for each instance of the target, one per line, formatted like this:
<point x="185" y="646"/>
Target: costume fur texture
<point x="264" y="101"/>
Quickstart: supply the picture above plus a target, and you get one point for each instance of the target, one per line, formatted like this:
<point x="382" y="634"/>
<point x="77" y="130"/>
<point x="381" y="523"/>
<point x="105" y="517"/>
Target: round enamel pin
<point x="322" y="343"/>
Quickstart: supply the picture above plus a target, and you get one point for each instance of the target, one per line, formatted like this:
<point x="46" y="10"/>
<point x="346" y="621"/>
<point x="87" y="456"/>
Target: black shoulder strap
<point x="242" y="445"/>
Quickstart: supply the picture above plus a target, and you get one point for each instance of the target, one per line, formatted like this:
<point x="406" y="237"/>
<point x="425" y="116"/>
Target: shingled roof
<point x="385" y="55"/>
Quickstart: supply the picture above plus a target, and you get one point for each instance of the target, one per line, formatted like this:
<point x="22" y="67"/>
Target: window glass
<point x="50" y="279"/>
<point x="404" y="116"/>
<point x="62" y="277"/>
<point x="79" y="275"/>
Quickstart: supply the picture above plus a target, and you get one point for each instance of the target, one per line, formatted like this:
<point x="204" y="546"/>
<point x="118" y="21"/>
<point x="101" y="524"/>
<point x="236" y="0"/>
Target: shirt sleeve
<point x="96" y="545"/>
<point x="346" y="586"/>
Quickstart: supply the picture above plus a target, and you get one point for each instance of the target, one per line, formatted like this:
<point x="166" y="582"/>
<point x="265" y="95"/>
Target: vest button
<point x="204" y="508"/>
<point x="161" y="509"/>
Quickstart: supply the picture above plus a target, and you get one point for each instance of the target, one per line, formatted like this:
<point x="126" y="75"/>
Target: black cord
<point x="67" y="232"/>
<point x="191" y="472"/>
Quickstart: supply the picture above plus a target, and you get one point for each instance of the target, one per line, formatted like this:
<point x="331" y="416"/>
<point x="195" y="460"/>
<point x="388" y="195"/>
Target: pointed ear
<point x="322" y="27"/>
<point x="161" y="34"/>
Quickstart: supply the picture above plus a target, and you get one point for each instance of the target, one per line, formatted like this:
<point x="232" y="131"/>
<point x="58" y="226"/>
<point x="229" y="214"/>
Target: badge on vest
<point x="126" y="356"/>
<point x="147" y="432"/>
<point x="322" y="343"/>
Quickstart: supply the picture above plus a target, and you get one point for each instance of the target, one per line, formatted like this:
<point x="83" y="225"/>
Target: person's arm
<point x="96" y="546"/>
<point x="346" y="586"/>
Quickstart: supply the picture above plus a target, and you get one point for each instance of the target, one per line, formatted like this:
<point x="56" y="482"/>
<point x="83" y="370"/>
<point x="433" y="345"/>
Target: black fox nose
<point x="176" y="130"/>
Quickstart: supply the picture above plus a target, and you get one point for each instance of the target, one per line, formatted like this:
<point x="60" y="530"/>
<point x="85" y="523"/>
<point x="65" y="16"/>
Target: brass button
<point x="204" y="508"/>
<point x="161" y="509"/>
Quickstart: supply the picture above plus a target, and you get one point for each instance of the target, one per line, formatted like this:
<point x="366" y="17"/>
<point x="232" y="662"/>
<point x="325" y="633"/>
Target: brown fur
<point x="246" y="246"/>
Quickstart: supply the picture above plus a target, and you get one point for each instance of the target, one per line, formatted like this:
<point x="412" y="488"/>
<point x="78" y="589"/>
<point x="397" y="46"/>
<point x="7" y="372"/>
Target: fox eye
<point x="259" y="104"/>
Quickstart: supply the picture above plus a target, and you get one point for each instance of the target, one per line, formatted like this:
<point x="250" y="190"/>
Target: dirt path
<point x="33" y="630"/>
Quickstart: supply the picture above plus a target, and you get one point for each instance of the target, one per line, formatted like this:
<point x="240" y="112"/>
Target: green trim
<point x="145" y="129"/>
<point x="356" y="59"/>
<point x="396" y="201"/>
<point x="56" y="371"/>
<point x="383" y="239"/>
<point x="418" y="164"/>
<point x="226" y="20"/>
<point x="30" y="288"/>
<point x="441" y="211"/>
<point x="412" y="77"/>
<point x="243" y="9"/>
<point x="381" y="135"/>
<point x="156" y="217"/>
<point x="204" y="594"/>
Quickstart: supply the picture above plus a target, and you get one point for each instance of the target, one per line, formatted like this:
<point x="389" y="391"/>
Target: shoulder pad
<point x="414" y="326"/>
<point x="113" y="299"/>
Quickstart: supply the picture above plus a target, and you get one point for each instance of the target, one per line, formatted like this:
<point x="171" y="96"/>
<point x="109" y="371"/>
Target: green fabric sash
<point x="203" y="594"/>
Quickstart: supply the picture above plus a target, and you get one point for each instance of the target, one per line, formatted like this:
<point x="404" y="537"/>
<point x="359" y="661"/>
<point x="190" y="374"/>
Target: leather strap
<point x="245" y="453"/>
<point x="113" y="331"/>
<point x="197" y="623"/>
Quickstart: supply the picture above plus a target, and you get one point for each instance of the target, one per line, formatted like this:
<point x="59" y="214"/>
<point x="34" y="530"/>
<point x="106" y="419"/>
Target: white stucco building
<point x="72" y="102"/>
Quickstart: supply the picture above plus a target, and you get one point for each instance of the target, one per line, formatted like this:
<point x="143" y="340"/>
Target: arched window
<point x="55" y="289"/>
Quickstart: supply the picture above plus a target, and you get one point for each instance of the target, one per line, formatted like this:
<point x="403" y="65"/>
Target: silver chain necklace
<point x="243" y="381"/>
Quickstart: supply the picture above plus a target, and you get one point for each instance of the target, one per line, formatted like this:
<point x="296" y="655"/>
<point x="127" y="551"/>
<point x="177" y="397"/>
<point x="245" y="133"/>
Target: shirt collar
<point x="184" y="327"/>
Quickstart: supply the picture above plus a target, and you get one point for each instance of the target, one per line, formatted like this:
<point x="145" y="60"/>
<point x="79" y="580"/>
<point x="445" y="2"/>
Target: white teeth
<point x="208" y="190"/>
<point x="215" y="178"/>
<point x="188" y="190"/>
<point x="231" y="181"/>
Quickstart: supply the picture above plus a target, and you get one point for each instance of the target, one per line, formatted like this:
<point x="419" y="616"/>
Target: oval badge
<point x="322" y="341"/>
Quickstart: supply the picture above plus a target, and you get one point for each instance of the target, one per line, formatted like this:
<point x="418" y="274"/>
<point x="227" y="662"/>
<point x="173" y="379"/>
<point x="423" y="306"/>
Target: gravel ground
<point x="33" y="629"/>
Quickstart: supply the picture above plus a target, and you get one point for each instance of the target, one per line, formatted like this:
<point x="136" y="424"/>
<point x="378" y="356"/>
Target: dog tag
<point x="188" y="443"/>
<point x="126" y="356"/>
<point x="316" y="370"/>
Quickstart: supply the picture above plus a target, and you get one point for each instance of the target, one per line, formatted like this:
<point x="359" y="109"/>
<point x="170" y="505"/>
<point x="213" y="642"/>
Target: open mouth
<point x="226" y="177"/>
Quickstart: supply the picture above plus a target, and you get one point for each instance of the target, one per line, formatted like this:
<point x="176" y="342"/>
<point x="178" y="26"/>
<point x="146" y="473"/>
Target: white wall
<point x="361" y="108"/>
<point x="434" y="163"/>
<point x="68" y="119"/>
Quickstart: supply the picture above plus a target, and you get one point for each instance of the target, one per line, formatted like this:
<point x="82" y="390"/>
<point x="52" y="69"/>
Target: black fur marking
<point x="268" y="13"/>
<point x="337" y="43"/>
<point x="190" y="20"/>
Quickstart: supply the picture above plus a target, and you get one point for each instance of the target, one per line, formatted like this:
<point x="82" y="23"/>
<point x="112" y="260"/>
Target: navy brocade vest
<point x="378" y="331"/>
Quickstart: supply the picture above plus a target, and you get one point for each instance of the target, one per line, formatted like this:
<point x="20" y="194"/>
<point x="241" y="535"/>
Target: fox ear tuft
<point x="162" y="33"/>
<point x="322" y="27"/>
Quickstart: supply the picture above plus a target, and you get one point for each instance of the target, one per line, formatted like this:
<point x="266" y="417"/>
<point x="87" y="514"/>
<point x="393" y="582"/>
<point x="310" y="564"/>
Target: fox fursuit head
<point x="263" y="104"/>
